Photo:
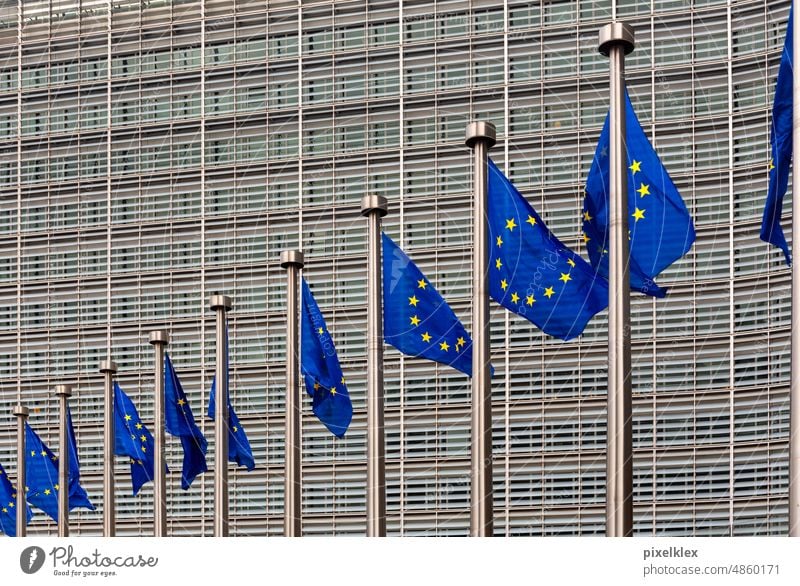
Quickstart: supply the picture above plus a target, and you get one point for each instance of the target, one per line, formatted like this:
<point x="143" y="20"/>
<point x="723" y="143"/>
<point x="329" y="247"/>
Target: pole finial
<point x="291" y="258"/>
<point x="159" y="337"/>
<point x="481" y="130"/>
<point x="374" y="203"/>
<point x="616" y="33"/>
<point x="220" y="302"/>
<point x="108" y="366"/>
<point x="21" y="410"/>
<point x="63" y="390"/>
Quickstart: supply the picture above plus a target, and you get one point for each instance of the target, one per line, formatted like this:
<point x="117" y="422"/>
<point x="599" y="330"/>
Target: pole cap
<point x="108" y="366"/>
<point x="481" y="130"/>
<point x="292" y="258"/>
<point x="374" y="203"/>
<point x="63" y="390"/>
<point x="21" y="410"/>
<point x="159" y="337"/>
<point x="613" y="34"/>
<point x="220" y="302"/>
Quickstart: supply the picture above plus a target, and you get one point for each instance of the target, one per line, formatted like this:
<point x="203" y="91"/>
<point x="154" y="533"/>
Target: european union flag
<point x="321" y="371"/>
<point x="8" y="505"/>
<point x="661" y="230"/>
<point x="239" y="450"/>
<point x="133" y="440"/>
<point x="76" y="492"/>
<point x="180" y="422"/>
<point x="781" y="143"/>
<point x="41" y="469"/>
<point x="416" y="319"/>
<point x="531" y="272"/>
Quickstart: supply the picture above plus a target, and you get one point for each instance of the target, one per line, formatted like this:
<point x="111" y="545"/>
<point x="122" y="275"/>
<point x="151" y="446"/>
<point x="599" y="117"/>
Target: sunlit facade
<point x="154" y="153"/>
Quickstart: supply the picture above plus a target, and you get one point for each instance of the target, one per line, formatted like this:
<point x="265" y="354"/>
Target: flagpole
<point x="374" y="207"/>
<point x="615" y="41"/>
<point x="794" y="394"/>
<point x="63" y="392"/>
<point x="159" y="339"/>
<point x="108" y="368"/>
<point x="221" y="304"/>
<point x="21" y="413"/>
<point x="480" y="137"/>
<point x="293" y="262"/>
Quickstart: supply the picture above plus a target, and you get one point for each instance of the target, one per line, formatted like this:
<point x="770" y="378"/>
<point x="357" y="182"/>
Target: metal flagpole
<point x="108" y="368"/>
<point x="374" y="207"/>
<point x="794" y="396"/>
<point x="21" y="413"/>
<point x="616" y="41"/>
<point x="221" y="304"/>
<point x="292" y="261"/>
<point x="480" y="137"/>
<point x="63" y="392"/>
<point x="159" y="339"/>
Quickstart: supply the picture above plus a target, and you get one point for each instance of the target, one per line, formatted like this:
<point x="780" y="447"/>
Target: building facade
<point x="154" y="153"/>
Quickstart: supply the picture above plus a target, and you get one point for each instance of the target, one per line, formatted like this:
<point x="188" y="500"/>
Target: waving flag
<point x="179" y="422"/>
<point x="132" y="439"/>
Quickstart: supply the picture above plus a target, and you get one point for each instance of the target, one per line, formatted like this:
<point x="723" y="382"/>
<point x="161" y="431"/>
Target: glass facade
<point x="154" y="153"/>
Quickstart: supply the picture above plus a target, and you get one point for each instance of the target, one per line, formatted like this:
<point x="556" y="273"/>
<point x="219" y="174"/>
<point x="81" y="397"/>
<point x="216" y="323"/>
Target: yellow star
<point x="133" y="436"/>
<point x="57" y="487"/>
<point x="320" y="331"/>
<point x="426" y="337"/>
<point x="413" y="300"/>
<point x="531" y="220"/>
<point x="422" y="284"/>
<point x="586" y="216"/>
<point x="549" y="292"/>
<point x="316" y="386"/>
<point x="638" y="214"/>
<point x="499" y="241"/>
<point x="140" y="462"/>
<point x="333" y="390"/>
<point x="515" y="298"/>
<point x="585" y="238"/>
<point x="235" y="429"/>
<point x="460" y="341"/>
<point x="571" y="262"/>
<point x="342" y="381"/>
<point x="181" y="402"/>
<point x="44" y="453"/>
<point x="643" y="190"/>
<point x="5" y="510"/>
<point x="771" y="165"/>
<point x="565" y="277"/>
<point x="139" y="426"/>
<point x="415" y="321"/>
<point x="498" y="263"/>
<point x="444" y="346"/>
<point x="530" y="300"/>
<point x="127" y="418"/>
<point x="46" y="491"/>
<point x="510" y="224"/>
<point x="144" y="449"/>
<point x="143" y="438"/>
<point x="53" y="458"/>
<point x="503" y="284"/>
<point x="33" y="452"/>
<point x="11" y="505"/>
<point x="635" y="167"/>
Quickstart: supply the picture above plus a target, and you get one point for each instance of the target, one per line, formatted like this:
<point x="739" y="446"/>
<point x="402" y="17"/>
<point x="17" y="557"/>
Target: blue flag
<point x="179" y="421"/>
<point x="661" y="230"/>
<point x="76" y="491"/>
<point x="8" y="505"/>
<point x="133" y="440"/>
<point x="781" y="143"/>
<point x="41" y="470"/>
<point x="239" y="450"/>
<point x="416" y="319"/>
<point x="531" y="272"/>
<point x="321" y="371"/>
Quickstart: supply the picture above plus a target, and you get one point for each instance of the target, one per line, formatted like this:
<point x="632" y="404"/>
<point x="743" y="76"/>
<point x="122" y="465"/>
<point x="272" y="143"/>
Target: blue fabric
<point x="239" y="450"/>
<point x="321" y="371"/>
<point x="781" y="144"/>
<point x="133" y="440"/>
<point x="179" y="421"/>
<point x="661" y="229"/>
<point x="8" y="505"/>
<point x="531" y="272"/>
<point x="416" y="319"/>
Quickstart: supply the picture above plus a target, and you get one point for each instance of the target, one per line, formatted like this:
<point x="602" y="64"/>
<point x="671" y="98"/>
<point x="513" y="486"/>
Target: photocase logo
<point x="31" y="559"/>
